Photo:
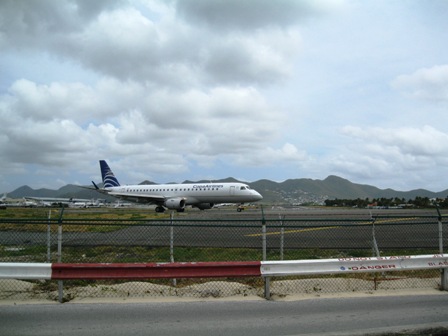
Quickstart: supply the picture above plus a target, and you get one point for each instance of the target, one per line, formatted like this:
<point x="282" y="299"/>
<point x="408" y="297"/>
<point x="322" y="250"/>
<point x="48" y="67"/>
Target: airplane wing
<point x="138" y="198"/>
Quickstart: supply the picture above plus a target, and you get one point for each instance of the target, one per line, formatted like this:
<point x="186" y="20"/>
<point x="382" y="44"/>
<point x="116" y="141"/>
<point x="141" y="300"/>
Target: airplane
<point x="28" y="203"/>
<point x="6" y="202"/>
<point x="177" y="196"/>
<point x="72" y="202"/>
<point x="86" y="204"/>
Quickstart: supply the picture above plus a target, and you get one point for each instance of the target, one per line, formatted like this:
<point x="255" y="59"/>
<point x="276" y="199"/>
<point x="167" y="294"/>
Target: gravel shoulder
<point x="25" y="292"/>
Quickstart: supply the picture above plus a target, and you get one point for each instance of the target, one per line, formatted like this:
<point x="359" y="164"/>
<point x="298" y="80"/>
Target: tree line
<point x="396" y="202"/>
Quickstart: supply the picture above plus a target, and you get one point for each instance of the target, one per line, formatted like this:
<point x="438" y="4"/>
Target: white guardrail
<point x="353" y="265"/>
<point x="25" y="271"/>
<point x="43" y="271"/>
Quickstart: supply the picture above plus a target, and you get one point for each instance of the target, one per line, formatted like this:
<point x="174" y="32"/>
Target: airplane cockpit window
<point x="243" y="188"/>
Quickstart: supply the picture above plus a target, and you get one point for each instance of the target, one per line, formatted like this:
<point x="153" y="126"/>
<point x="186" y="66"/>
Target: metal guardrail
<point x="60" y="271"/>
<point x="353" y="265"/>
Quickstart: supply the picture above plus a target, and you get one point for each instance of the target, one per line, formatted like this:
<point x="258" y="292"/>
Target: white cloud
<point x="392" y="154"/>
<point x="123" y="43"/>
<point x="426" y="141"/>
<point x="252" y="14"/>
<point x="286" y="155"/>
<point x="124" y="119"/>
<point x="38" y="24"/>
<point x="60" y="100"/>
<point x="427" y="83"/>
<point x="52" y="143"/>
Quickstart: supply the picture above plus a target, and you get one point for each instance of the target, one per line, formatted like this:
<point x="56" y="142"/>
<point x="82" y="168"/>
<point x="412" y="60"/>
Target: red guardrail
<point x="63" y="271"/>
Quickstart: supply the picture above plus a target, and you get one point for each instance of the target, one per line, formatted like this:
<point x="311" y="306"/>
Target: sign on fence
<point x="353" y="265"/>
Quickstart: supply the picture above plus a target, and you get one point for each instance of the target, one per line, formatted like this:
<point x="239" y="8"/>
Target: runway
<point x="301" y="228"/>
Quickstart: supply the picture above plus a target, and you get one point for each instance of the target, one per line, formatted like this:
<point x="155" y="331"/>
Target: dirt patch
<point x="17" y="291"/>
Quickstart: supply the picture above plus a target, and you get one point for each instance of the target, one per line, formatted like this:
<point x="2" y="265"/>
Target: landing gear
<point x="160" y="209"/>
<point x="240" y="208"/>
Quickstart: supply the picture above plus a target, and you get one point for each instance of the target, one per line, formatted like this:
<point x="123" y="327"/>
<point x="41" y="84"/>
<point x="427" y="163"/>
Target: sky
<point x="169" y="91"/>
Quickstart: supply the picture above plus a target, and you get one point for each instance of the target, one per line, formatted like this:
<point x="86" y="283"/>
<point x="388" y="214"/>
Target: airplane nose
<point x="259" y="197"/>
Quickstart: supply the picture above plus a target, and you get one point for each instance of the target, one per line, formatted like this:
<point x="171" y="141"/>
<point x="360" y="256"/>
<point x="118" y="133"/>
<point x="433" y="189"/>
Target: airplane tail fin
<point x="109" y="179"/>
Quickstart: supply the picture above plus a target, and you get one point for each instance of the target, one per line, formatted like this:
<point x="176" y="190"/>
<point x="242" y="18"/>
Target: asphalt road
<point x="335" y="316"/>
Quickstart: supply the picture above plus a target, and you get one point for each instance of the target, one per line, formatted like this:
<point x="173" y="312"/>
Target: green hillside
<point x="293" y="191"/>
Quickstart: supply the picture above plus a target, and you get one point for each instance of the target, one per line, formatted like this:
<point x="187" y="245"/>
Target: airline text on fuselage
<point x="206" y="186"/>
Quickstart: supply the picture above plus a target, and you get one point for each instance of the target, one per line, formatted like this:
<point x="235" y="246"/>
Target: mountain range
<point x="293" y="191"/>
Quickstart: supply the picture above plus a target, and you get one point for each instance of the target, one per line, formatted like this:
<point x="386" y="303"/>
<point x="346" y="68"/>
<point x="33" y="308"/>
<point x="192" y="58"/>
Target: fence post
<point x="60" y="282"/>
<point x="267" y="280"/>
<point x="443" y="273"/>
<point x="282" y="235"/>
<point x="375" y="244"/>
<point x="49" y="237"/>
<point x="172" y="245"/>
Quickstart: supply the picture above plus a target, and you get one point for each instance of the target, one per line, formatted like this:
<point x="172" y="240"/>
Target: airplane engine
<point x="175" y="203"/>
<point x="205" y="206"/>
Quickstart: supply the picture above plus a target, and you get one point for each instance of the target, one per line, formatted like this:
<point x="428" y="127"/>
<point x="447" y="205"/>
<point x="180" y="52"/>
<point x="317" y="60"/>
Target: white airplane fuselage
<point x="195" y="193"/>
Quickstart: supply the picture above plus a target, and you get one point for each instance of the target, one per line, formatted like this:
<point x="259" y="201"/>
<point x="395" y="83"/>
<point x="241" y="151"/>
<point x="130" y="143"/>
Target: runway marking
<point x="329" y="227"/>
<point x="293" y="231"/>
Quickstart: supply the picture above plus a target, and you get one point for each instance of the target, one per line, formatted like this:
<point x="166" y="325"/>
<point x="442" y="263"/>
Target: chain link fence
<point x="221" y="236"/>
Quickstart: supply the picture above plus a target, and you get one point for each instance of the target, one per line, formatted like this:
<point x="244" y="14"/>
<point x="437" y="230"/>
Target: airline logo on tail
<point x="108" y="176"/>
